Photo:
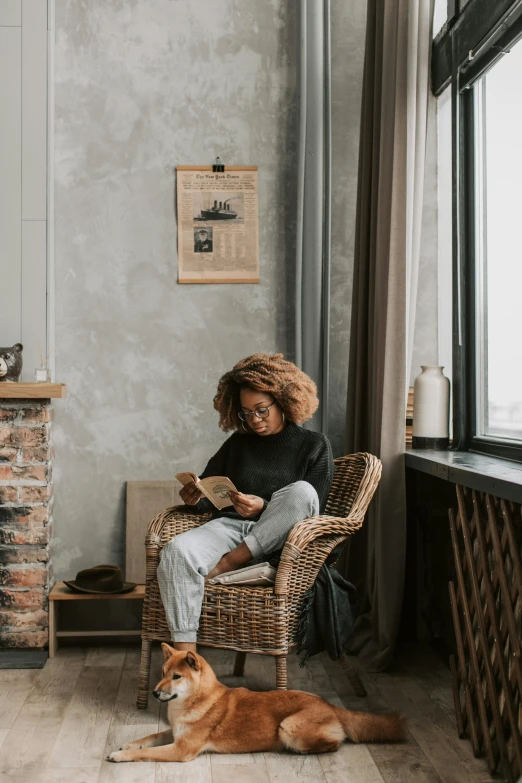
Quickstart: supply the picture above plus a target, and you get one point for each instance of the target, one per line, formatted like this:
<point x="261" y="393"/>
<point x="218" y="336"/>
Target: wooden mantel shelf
<point x="40" y="391"/>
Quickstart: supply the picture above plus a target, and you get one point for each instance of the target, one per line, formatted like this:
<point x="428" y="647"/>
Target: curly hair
<point x="293" y="390"/>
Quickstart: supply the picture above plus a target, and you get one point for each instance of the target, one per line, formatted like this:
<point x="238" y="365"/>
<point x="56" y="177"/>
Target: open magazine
<point x="215" y="488"/>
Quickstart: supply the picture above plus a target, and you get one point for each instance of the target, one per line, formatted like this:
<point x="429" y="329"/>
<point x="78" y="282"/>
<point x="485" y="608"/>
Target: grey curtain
<point x="391" y="174"/>
<point x="313" y="201"/>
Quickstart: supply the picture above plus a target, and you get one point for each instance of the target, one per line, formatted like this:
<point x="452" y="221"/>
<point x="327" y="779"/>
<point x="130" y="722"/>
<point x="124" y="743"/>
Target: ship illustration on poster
<point x="220" y="211"/>
<point x="216" y="207"/>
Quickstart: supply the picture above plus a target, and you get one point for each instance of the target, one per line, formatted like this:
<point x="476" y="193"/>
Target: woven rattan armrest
<point x="306" y="548"/>
<point x="177" y="519"/>
<point x="308" y="530"/>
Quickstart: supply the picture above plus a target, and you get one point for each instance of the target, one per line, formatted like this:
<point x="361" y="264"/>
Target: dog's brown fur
<point x="207" y="716"/>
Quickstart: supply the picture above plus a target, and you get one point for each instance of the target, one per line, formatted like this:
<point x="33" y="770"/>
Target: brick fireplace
<point x="26" y="505"/>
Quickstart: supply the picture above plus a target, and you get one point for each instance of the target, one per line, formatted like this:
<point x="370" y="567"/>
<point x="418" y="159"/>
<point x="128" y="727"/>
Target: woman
<point x="283" y="473"/>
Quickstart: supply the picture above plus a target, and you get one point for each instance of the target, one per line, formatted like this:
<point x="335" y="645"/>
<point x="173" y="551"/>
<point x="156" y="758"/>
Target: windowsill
<point x="493" y="475"/>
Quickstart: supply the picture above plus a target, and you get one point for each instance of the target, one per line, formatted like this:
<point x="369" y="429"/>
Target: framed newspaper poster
<point x="218" y="224"/>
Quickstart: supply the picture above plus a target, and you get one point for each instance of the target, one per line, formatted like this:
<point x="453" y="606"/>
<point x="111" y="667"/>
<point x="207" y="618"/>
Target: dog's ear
<point x="192" y="661"/>
<point x="167" y="651"/>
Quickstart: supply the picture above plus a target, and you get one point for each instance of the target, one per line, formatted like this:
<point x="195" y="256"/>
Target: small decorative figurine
<point x="11" y="363"/>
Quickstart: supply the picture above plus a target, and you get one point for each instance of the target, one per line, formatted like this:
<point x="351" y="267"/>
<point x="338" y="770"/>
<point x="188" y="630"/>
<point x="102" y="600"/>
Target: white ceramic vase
<point x="431" y="409"/>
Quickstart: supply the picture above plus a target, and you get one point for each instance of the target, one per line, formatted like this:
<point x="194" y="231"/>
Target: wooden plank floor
<point x="58" y="724"/>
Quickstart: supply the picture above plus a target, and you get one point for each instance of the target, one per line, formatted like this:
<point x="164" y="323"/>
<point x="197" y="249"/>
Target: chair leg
<point x="239" y="665"/>
<point x="143" y="685"/>
<point x="281" y="677"/>
<point x="355" y="680"/>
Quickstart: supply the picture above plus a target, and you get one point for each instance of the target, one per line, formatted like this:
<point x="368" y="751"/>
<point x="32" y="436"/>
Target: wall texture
<point x="142" y="86"/>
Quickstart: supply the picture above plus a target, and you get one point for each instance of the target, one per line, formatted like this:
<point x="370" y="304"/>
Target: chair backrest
<point x="355" y="480"/>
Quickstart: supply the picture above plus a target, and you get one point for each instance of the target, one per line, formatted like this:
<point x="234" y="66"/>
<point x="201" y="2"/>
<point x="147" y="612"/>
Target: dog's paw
<point x="117" y="755"/>
<point x="132" y="746"/>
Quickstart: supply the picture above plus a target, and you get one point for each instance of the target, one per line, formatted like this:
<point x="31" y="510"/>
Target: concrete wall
<point x="142" y="86"/>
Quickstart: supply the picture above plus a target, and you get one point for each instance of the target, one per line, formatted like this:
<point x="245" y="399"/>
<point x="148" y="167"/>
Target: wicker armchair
<point x="262" y="619"/>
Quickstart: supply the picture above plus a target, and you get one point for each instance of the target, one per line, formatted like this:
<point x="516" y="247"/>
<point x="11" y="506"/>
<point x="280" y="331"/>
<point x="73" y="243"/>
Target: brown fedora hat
<point x="103" y="579"/>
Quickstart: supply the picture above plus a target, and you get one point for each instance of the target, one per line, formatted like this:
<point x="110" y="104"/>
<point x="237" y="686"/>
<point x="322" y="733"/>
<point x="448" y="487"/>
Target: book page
<point x="217" y="490"/>
<point x="186" y="478"/>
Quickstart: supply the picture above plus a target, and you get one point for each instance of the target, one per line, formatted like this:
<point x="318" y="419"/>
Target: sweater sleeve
<point x="320" y="471"/>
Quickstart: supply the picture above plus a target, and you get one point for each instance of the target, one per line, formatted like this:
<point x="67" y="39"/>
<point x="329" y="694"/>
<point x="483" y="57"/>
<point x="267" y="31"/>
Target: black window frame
<point x="474" y="38"/>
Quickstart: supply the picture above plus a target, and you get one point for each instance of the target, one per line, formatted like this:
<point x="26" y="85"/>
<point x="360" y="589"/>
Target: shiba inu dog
<point x="205" y="715"/>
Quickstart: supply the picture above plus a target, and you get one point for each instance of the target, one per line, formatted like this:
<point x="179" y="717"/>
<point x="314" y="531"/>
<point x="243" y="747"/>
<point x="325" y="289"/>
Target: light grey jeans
<point x="188" y="558"/>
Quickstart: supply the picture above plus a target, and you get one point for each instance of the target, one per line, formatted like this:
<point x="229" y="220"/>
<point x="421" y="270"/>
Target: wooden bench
<point x="61" y="592"/>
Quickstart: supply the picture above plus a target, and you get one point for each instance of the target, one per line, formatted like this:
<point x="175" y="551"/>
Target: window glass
<point x="498" y="218"/>
<point x="444" y="232"/>
<point x="440" y="15"/>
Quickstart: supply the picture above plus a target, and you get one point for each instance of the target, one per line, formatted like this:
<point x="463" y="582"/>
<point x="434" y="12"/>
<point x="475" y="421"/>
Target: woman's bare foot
<point x="233" y="560"/>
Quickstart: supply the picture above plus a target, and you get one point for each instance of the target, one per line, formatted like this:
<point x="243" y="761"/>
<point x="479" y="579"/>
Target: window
<point x="497" y="103"/>
<point x="478" y="58"/>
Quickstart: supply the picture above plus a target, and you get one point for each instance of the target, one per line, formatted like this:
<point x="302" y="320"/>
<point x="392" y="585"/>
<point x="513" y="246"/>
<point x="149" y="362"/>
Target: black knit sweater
<point x="260" y="465"/>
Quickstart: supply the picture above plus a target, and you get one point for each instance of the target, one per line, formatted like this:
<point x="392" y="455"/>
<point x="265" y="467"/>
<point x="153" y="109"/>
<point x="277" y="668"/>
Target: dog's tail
<point x="364" y="727"/>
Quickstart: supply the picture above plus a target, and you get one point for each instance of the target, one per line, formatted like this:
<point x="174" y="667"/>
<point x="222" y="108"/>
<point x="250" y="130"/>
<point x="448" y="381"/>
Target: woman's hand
<point x="247" y="505"/>
<point x="190" y="494"/>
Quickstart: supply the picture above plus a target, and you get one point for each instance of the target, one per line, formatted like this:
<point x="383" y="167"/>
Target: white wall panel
<point x="10" y="13"/>
<point x="10" y="184"/>
<point x="34" y="109"/>
<point x="51" y="341"/>
<point x="34" y="281"/>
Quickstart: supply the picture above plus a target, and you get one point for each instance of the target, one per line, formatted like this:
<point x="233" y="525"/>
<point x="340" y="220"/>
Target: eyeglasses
<point x="261" y="413"/>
